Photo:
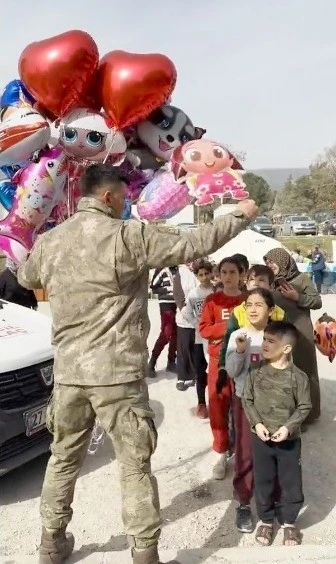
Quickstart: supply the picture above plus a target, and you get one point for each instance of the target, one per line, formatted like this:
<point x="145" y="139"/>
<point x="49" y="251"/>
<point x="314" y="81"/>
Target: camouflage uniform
<point x="95" y="269"/>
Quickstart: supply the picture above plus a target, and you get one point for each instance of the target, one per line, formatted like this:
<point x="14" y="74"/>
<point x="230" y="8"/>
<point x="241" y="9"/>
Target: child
<point x="212" y="326"/>
<point x="162" y="285"/>
<point x="259" y="276"/>
<point x="184" y="282"/>
<point x="244" y="351"/>
<point x="192" y="313"/>
<point x="245" y="266"/>
<point x="276" y="402"/>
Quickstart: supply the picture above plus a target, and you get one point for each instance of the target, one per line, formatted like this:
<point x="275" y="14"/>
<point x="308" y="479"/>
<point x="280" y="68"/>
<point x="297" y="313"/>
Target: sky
<point x="259" y="75"/>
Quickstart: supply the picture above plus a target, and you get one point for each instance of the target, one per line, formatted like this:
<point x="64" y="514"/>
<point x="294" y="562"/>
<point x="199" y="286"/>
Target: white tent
<point x="249" y="243"/>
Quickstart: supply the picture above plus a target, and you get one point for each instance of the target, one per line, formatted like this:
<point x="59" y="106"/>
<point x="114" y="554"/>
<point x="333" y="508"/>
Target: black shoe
<point x="151" y="369"/>
<point x="244" y="519"/>
<point x="171" y="367"/>
<point x="180" y="386"/>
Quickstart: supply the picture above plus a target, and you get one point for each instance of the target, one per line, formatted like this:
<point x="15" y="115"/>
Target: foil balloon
<point x="13" y="249"/>
<point x="325" y="336"/>
<point x="59" y="71"/>
<point x="23" y="132"/>
<point x="164" y="130"/>
<point x="40" y="186"/>
<point x="133" y="85"/>
<point x="206" y="187"/>
<point x="16" y="94"/>
<point x="89" y="135"/>
<point x="136" y="179"/>
<point x="163" y="198"/>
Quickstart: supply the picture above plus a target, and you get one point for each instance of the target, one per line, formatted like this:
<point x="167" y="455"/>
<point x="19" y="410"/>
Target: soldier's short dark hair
<point x="232" y="260"/>
<point x="202" y="264"/>
<point x="261" y="270"/>
<point x="243" y="260"/>
<point x="99" y="175"/>
<point x="283" y="329"/>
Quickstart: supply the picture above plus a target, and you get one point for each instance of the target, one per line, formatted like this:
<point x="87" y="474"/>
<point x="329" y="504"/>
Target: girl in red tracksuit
<point x="212" y="326"/>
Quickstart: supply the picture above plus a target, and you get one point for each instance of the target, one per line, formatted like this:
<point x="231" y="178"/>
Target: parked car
<point x="26" y="382"/>
<point x="328" y="227"/>
<point x="298" y="225"/>
<point x="264" y="226"/>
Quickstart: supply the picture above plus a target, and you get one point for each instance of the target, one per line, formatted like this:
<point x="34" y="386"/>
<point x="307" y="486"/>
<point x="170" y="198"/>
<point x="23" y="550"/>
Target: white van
<point x="26" y="382"/>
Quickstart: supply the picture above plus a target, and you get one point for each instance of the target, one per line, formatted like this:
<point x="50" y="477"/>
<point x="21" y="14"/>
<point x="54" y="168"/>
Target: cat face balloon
<point x="165" y="129"/>
<point x="85" y="134"/>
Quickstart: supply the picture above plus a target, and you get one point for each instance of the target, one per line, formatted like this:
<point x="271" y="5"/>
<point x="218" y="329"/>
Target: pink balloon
<point x="163" y="198"/>
<point x="40" y="188"/>
<point x="205" y="187"/>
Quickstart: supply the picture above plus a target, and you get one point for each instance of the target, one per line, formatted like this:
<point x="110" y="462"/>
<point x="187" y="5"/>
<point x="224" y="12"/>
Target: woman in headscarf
<point x="296" y="294"/>
<point x="12" y="291"/>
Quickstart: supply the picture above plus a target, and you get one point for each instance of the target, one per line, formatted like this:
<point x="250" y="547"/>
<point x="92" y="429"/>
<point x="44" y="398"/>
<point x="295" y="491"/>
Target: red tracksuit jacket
<point x="214" y="319"/>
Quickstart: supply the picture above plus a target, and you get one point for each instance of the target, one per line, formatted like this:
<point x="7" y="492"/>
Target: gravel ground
<point x="198" y="512"/>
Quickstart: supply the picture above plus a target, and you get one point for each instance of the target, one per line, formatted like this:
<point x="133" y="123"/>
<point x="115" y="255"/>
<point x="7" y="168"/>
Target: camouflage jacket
<point x="95" y="269"/>
<point x="277" y="398"/>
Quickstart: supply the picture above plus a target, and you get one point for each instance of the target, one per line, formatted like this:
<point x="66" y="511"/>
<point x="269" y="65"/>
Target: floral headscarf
<point x="287" y="265"/>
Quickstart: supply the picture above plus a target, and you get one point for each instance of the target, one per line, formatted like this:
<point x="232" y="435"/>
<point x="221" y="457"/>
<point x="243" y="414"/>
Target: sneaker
<point x="244" y="519"/>
<point x="171" y="366"/>
<point x="56" y="546"/>
<point x="151" y="369"/>
<point x="202" y="411"/>
<point x="183" y="385"/>
<point x="219" y="469"/>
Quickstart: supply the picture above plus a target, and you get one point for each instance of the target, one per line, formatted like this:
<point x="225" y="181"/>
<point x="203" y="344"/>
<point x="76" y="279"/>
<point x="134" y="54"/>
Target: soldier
<point x="95" y="268"/>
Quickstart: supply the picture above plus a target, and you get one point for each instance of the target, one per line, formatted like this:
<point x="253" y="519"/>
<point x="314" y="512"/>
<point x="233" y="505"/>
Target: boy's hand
<point x="241" y="342"/>
<point x="221" y="380"/>
<point x="280" y="435"/>
<point x="262" y="432"/>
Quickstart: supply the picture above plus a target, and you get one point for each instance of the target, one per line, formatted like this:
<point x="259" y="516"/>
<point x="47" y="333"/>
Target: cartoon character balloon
<point x="165" y="129"/>
<point x="89" y="135"/>
<point x="23" y="132"/>
<point x="209" y="170"/>
<point x="16" y="94"/>
<point x="39" y="187"/>
<point x="162" y="198"/>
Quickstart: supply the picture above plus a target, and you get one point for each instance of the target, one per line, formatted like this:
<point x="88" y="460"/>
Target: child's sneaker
<point x="219" y="469"/>
<point x="244" y="521"/>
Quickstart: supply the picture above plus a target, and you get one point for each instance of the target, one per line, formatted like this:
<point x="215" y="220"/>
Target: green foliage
<point x="259" y="191"/>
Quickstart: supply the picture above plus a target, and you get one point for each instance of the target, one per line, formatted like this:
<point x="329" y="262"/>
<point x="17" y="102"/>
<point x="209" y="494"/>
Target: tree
<point x="323" y="179"/>
<point x="259" y="190"/>
<point x="296" y="196"/>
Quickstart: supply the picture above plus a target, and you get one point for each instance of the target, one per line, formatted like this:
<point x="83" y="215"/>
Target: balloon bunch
<point x="70" y="109"/>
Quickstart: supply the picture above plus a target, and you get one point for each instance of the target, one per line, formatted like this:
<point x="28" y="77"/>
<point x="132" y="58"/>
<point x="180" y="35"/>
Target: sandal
<point x="292" y="535"/>
<point x="264" y="532"/>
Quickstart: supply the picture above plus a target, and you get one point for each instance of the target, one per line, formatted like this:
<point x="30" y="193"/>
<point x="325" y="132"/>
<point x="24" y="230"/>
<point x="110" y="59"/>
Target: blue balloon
<point x="127" y="213"/>
<point x="14" y="93"/>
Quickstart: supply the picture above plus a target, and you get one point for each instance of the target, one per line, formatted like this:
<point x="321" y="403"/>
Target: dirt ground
<point x="198" y="512"/>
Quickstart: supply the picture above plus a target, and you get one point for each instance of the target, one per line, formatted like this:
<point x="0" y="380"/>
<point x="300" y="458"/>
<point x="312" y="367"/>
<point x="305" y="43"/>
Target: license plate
<point x="35" y="420"/>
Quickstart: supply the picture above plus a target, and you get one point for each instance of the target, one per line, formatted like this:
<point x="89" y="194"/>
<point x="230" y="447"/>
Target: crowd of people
<point x="245" y="334"/>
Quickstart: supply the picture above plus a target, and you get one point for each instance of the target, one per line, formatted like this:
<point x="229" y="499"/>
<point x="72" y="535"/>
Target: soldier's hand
<point x="262" y="432"/>
<point x="249" y="207"/>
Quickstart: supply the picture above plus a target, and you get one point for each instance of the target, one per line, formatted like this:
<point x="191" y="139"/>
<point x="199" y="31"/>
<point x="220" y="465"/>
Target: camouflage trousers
<point x="123" y="411"/>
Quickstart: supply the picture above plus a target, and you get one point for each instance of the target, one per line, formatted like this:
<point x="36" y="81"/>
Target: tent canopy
<point x="249" y="243"/>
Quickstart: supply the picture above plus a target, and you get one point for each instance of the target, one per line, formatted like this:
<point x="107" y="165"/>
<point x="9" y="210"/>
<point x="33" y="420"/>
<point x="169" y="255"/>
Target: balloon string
<point x="110" y="149"/>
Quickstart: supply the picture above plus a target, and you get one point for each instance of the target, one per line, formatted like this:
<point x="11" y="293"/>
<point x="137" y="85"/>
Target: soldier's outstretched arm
<point x="167" y="246"/>
<point x="29" y="273"/>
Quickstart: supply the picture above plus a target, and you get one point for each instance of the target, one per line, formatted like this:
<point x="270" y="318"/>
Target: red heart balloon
<point x="58" y="71"/>
<point x="133" y="85"/>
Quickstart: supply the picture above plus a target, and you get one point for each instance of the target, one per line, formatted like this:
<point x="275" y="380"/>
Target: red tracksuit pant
<point x="168" y="333"/>
<point x="219" y="406"/>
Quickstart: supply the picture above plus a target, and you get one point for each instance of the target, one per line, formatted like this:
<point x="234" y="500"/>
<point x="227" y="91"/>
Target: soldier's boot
<point x="148" y="556"/>
<point x="56" y="546"/>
